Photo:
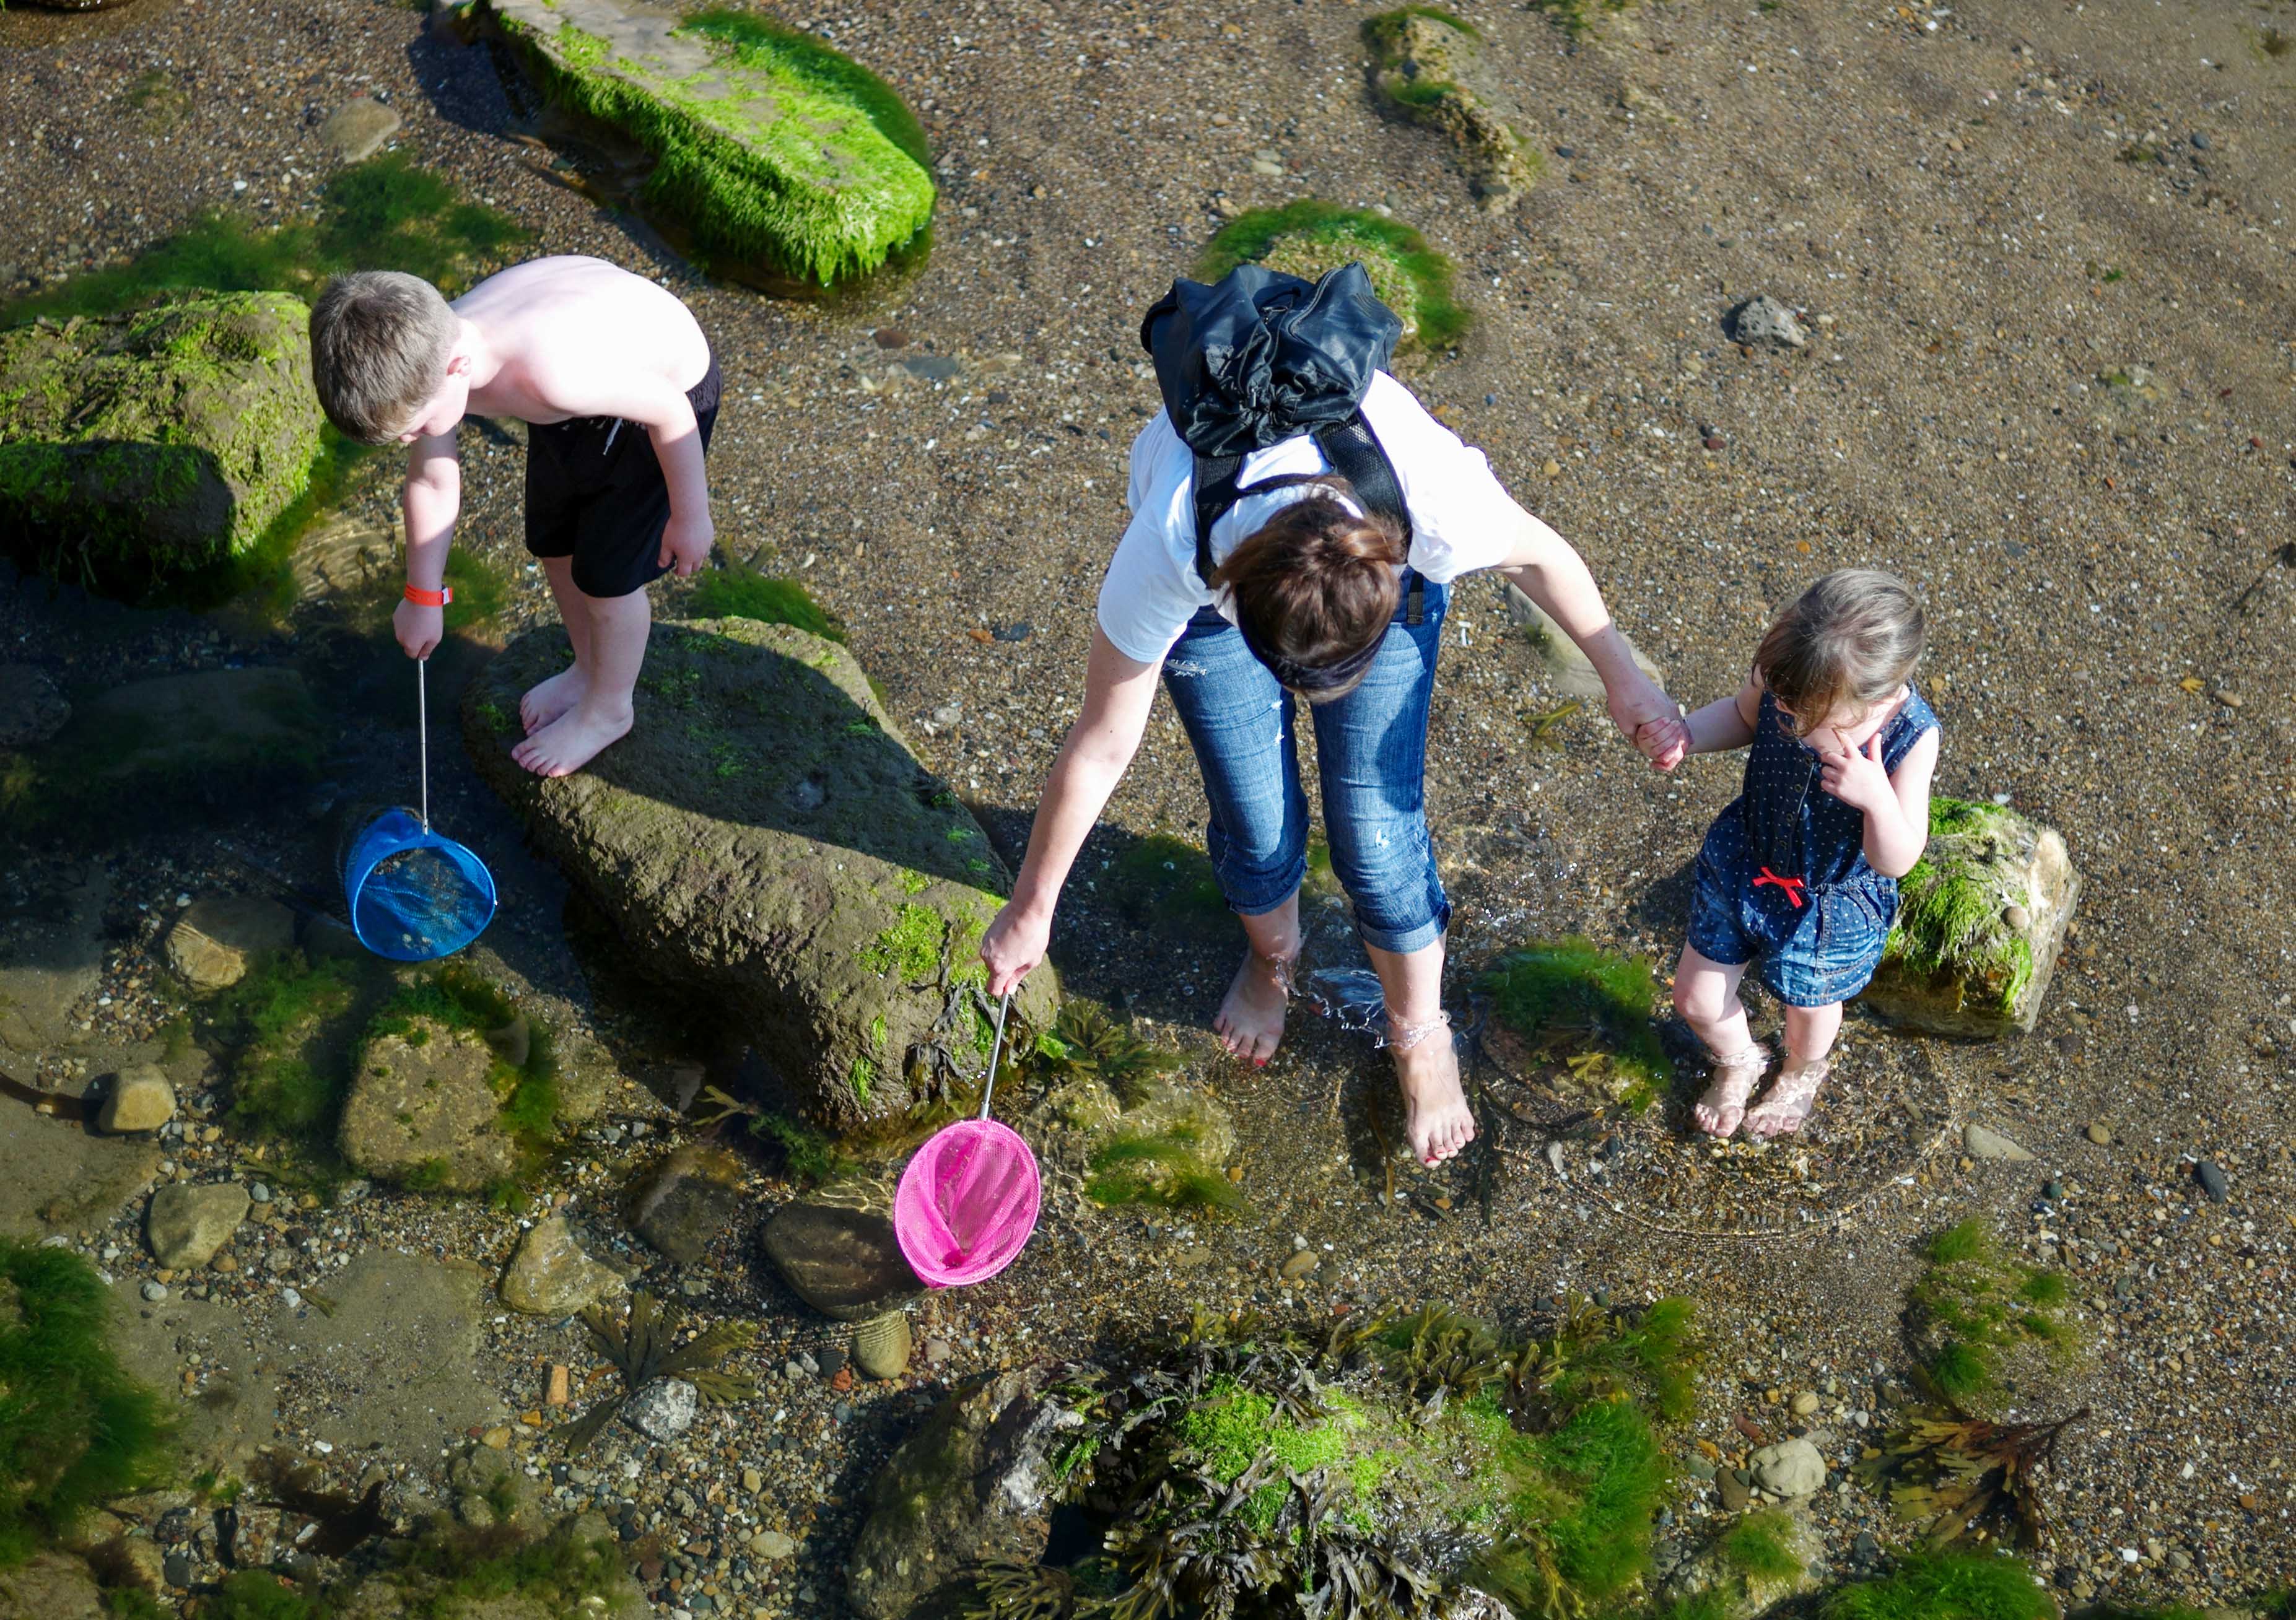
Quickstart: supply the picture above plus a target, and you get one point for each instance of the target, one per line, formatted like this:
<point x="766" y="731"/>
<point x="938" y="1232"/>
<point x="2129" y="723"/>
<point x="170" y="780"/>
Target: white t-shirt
<point x="1461" y="519"/>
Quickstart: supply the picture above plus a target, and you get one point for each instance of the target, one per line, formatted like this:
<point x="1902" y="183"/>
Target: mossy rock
<point x="769" y="146"/>
<point x="137" y="446"/>
<point x="422" y="1111"/>
<point x="1995" y="1335"/>
<point x="1981" y="919"/>
<point x="1747" y="1570"/>
<point x="765" y="839"/>
<point x="1309" y="237"/>
<point x="1429" y="64"/>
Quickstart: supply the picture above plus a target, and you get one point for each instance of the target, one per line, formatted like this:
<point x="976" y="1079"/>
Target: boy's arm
<point x="667" y="415"/>
<point x="432" y="497"/>
<point x="1726" y="722"/>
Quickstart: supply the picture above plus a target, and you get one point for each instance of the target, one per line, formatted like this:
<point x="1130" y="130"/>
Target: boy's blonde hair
<point x="379" y="343"/>
<point x="1852" y="638"/>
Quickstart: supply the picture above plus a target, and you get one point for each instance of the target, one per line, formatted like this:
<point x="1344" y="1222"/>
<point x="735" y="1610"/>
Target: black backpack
<point x="1258" y="356"/>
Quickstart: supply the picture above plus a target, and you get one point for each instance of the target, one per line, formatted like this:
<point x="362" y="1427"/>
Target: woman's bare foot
<point x="1789" y="1100"/>
<point x="1437" y="1117"/>
<point x="572" y="740"/>
<point x="546" y="700"/>
<point x="1735" y="1077"/>
<point x="1250" y="1021"/>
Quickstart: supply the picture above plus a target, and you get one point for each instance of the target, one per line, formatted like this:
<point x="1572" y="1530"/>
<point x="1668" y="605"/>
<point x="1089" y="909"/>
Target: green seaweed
<point x="285" y="1025"/>
<point x="1758" y="1548"/>
<point x="836" y="182"/>
<point x="1946" y="918"/>
<point x="1164" y="882"/>
<point x="1569" y="996"/>
<point x="1976" y="1303"/>
<point x="1165" y="1171"/>
<point x="1309" y="236"/>
<point x="910" y="946"/>
<point x="445" y="1573"/>
<point x="1946" y="1586"/>
<point x="456" y="997"/>
<point x="75" y="1430"/>
<point x="738" y="591"/>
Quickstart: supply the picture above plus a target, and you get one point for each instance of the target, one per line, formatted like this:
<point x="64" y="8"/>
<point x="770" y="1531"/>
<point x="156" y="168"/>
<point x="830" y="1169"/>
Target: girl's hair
<point x="1852" y="638"/>
<point x="1316" y="583"/>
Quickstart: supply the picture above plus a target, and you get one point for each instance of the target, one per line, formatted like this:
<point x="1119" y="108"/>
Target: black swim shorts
<point x="595" y="493"/>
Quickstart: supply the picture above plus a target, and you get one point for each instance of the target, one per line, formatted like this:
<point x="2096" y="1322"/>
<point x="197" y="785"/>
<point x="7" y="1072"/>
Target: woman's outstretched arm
<point x="1553" y="575"/>
<point x="1118" y="692"/>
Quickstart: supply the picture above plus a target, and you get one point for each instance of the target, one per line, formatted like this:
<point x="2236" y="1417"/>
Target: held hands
<point x="418" y="628"/>
<point x="1856" y="776"/>
<point x="1651" y="721"/>
<point x="685" y="542"/>
<point x="1014" y="945"/>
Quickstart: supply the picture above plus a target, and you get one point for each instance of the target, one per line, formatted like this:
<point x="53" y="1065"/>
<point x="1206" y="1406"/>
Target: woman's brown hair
<point x="1852" y="638"/>
<point x="1315" y="585"/>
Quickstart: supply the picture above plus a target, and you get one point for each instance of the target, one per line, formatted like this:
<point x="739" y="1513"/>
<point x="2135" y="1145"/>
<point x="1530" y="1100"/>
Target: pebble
<point x="771" y="1545"/>
<point x="1714" y="441"/>
<point x="260" y="1193"/>
<point x="2099" y="1135"/>
<point x="1301" y="1261"/>
<point x="1985" y="1143"/>
<point x="155" y="1292"/>
<point x="2212" y="1179"/>
<point x="1805" y="1404"/>
<point x="664" y="1409"/>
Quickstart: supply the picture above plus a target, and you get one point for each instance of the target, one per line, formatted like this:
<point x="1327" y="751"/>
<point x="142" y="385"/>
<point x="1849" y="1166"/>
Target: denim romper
<point x="1783" y="876"/>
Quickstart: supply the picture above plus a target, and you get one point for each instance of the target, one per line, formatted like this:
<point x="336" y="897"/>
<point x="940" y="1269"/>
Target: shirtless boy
<point x="617" y="382"/>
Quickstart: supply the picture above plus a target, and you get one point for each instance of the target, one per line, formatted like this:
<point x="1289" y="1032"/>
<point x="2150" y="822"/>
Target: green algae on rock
<point x="1429" y="65"/>
<point x="765" y="839"/>
<point x="1309" y="236"/>
<point x="1981" y="917"/>
<point x="1570" y="1002"/>
<point x="769" y="146"/>
<point x="143" y="445"/>
<point x="1991" y="1332"/>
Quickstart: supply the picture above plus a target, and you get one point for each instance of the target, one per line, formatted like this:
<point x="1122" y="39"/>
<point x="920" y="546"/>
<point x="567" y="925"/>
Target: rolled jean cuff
<point x="1256" y="896"/>
<point x="1415" y="936"/>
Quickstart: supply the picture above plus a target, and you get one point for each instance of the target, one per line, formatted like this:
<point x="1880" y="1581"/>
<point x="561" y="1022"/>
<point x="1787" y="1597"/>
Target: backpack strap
<point x="1353" y="451"/>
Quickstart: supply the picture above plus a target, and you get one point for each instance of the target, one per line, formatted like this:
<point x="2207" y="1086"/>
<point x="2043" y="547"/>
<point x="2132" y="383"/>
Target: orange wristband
<point x="431" y="599"/>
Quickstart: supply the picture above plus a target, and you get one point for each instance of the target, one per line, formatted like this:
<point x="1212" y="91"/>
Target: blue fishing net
<point x="414" y="896"/>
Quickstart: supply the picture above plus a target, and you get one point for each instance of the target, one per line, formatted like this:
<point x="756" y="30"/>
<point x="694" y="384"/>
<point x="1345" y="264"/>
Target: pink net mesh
<point x="967" y="1203"/>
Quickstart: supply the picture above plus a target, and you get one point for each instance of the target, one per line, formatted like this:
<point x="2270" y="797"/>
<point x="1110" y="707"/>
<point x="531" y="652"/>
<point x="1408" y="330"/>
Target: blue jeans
<point x="1373" y="747"/>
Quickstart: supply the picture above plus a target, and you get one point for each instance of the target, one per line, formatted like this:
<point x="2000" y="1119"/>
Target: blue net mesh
<point x="414" y="896"/>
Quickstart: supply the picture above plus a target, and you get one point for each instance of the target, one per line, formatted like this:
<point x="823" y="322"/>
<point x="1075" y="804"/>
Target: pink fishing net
<point x="967" y="1203"/>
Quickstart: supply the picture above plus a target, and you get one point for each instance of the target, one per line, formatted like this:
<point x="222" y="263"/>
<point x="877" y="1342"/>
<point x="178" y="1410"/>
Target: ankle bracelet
<point x="1403" y="1037"/>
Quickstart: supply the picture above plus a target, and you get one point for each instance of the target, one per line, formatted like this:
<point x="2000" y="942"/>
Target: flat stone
<point x="882" y="1346"/>
<point x="845" y="1263"/>
<point x="686" y="1202"/>
<point x="356" y="129"/>
<point x="138" y="1099"/>
<point x="664" y="1409"/>
<point x="2102" y="1135"/>
<point x="1790" y="1468"/>
<point x="2212" y="1179"/>
<point x="1983" y="1143"/>
<point x="772" y="1546"/>
<point x="186" y="1225"/>
<point x="550" y="1275"/>
<point x="422" y="1109"/>
<point x="217" y="938"/>
<point x="31" y="710"/>
<point x="56" y="1176"/>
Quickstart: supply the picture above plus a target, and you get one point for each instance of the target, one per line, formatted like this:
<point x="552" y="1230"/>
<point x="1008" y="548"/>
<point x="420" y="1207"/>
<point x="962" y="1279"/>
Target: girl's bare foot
<point x="545" y="700"/>
<point x="1735" y="1077"/>
<point x="1789" y="1100"/>
<point x="1250" y="1021"/>
<point x="572" y="740"/>
<point x="1437" y="1119"/>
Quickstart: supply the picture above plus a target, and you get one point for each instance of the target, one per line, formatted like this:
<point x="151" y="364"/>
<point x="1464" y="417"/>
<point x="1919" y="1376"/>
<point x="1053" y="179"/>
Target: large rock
<point x="357" y="130"/>
<point x="1750" y="1568"/>
<point x="52" y="1586"/>
<point x="766" y="840"/>
<point x="1431" y="69"/>
<point x="153" y="751"/>
<point x="422" y="1111"/>
<point x="549" y="1275"/>
<point x="139" y="1097"/>
<point x="217" y="938"/>
<point x="1573" y="673"/>
<point x="187" y="1225"/>
<point x="844" y="1263"/>
<point x="769" y="146"/>
<point x="683" y="1203"/>
<point x="975" y="1483"/>
<point x="1790" y="1468"/>
<point x="136" y="446"/>
<point x="1980" y="922"/>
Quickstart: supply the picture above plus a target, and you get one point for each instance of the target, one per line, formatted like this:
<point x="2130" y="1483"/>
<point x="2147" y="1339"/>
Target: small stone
<point x="219" y="937"/>
<point x="1765" y="322"/>
<point x="1714" y="441"/>
<point x="937" y="1351"/>
<point x="664" y="1409"/>
<point x="175" y="1569"/>
<point x="1698" y="1468"/>
<point x="140" y="1099"/>
<point x="496" y="1439"/>
<point x="1805" y="1404"/>
<point x="549" y="1275"/>
<point x="1791" y="1469"/>
<point x="260" y="1193"/>
<point x="1554" y="1158"/>
<point x="155" y="1291"/>
<point x="2212" y="1179"/>
<point x="687" y="1200"/>
<point x="2016" y="917"/>
<point x="1552" y="468"/>
<point x="2199" y="142"/>
<point x="2099" y="1135"/>
<point x="1299" y="1264"/>
<point x="187" y="1225"/>
<point x="1736" y="1489"/>
<point x="357" y="130"/>
<point x="891" y="337"/>
<point x="772" y="1546"/>
<point x="1986" y="1143"/>
<point x="558" y="1389"/>
<point x="753" y="1481"/>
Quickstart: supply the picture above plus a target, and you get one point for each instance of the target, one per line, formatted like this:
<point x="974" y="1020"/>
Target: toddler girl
<point x="1800" y="874"/>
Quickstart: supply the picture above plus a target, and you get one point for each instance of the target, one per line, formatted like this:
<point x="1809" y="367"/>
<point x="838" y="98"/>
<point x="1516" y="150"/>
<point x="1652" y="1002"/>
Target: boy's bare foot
<point x="1789" y="1100"/>
<point x="1437" y="1119"/>
<point x="572" y="740"/>
<point x="1724" y="1104"/>
<point x="545" y="700"/>
<point x="1250" y="1021"/>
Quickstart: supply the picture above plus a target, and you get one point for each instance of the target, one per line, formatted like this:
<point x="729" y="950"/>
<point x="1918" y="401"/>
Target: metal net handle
<point x="422" y="732"/>
<point x="996" y="1051"/>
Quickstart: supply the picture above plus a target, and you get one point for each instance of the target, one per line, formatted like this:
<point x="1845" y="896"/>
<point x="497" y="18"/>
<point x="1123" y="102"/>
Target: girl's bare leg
<point x="1706" y="996"/>
<point x="1250" y="1021"/>
<point x="1809" y="1037"/>
<point x="1437" y="1119"/>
